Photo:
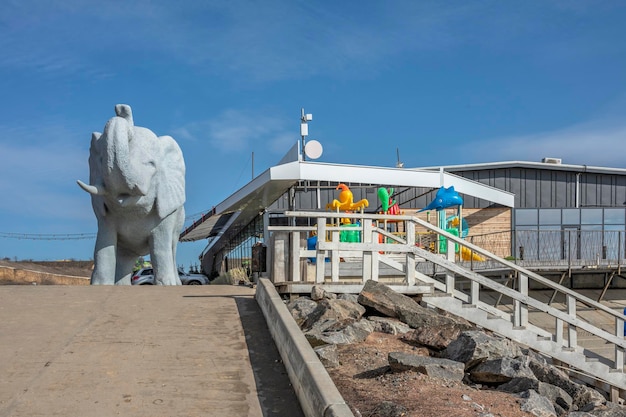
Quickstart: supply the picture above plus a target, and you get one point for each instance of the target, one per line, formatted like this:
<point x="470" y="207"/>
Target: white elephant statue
<point x="137" y="187"/>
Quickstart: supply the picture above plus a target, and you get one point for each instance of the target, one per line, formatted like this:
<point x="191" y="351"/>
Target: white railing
<point x="378" y="248"/>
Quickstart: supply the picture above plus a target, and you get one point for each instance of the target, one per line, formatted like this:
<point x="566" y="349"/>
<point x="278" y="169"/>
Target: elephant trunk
<point x="121" y="163"/>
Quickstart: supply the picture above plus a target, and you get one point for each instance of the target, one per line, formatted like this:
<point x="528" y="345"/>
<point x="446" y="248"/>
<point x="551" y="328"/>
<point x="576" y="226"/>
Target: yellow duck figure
<point x="346" y="201"/>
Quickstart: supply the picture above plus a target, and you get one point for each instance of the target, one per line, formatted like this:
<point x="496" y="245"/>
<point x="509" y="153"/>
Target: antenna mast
<point x="398" y="163"/>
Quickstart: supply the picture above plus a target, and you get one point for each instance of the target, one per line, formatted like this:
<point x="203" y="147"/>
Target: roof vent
<point x="551" y="160"/>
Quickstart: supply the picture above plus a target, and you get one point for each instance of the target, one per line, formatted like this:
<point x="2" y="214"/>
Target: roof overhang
<point x="266" y="188"/>
<point x="531" y="165"/>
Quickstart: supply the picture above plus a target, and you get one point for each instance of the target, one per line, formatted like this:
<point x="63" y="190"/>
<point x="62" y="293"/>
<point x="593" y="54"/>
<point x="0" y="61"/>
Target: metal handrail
<point x="544" y="281"/>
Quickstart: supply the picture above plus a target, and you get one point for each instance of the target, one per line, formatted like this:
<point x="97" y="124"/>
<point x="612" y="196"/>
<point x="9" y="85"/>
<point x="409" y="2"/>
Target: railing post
<point x="620" y="331"/>
<point x="520" y="309"/>
<point x="367" y="255"/>
<point x="619" y="251"/>
<point x="294" y="255"/>
<point x="474" y="293"/>
<point x="320" y="255"/>
<point x="572" y="339"/>
<point x="450" y="255"/>
<point x="569" y="250"/>
<point x="558" y="332"/>
<point x="334" y="254"/>
<point x="410" y="256"/>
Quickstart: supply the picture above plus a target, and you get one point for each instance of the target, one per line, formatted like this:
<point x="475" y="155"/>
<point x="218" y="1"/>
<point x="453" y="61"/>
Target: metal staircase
<point x="459" y="288"/>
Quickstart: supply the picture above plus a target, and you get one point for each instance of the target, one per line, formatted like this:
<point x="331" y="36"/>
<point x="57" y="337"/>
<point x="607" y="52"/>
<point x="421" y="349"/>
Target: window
<point x="591" y="216"/>
<point x="614" y="216"/>
<point x="526" y="217"/>
<point x="571" y="216"/>
<point x="550" y="216"/>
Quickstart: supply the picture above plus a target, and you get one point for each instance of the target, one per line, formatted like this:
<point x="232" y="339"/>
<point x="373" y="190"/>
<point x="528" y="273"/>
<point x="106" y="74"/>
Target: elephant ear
<point x="95" y="172"/>
<point x="170" y="187"/>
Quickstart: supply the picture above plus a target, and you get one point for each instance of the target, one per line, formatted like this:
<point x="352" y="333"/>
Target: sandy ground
<point x="364" y="380"/>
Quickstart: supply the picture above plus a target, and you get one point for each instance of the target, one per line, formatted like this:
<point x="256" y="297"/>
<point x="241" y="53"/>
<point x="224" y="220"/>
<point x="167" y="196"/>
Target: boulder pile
<point x="457" y="350"/>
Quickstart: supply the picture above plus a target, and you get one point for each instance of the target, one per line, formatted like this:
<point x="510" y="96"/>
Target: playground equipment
<point x="445" y="197"/>
<point x="388" y="205"/>
<point x="346" y="201"/>
<point x="455" y="225"/>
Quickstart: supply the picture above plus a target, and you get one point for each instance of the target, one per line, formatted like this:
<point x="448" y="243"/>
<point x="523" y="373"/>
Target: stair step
<point x="542" y="340"/>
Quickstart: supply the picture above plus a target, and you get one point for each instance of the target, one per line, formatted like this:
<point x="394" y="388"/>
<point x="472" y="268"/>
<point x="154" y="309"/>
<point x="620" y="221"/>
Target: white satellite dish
<point x="313" y="149"/>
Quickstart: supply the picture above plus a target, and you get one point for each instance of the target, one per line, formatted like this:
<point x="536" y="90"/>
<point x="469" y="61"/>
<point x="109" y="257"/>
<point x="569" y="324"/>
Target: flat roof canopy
<point x="265" y="189"/>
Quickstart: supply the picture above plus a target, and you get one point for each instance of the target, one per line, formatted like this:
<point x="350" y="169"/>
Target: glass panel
<point x="591" y="216"/>
<point x="550" y="216"/>
<point x="526" y="217"/>
<point x="571" y="216"/>
<point x="613" y="216"/>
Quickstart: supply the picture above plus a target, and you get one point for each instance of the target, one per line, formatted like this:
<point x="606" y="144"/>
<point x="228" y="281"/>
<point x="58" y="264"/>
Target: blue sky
<point x="444" y="82"/>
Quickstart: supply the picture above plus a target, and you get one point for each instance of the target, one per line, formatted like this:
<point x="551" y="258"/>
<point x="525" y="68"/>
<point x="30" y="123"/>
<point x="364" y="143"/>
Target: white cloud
<point x="599" y="142"/>
<point x="39" y="179"/>
<point x="264" y="41"/>
<point x="241" y="130"/>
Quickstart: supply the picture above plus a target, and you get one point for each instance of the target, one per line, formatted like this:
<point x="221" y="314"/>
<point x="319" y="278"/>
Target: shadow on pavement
<point x="276" y="394"/>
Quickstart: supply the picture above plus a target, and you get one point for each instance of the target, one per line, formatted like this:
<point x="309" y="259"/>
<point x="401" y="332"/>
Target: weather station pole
<point x="304" y="130"/>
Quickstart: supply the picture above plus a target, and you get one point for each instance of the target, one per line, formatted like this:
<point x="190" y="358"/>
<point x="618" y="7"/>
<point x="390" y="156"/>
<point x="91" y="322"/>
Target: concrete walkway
<point x="138" y="351"/>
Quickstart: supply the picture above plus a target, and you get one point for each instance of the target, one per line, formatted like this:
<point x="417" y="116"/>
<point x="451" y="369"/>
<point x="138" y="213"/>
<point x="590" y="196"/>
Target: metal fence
<point x="570" y="247"/>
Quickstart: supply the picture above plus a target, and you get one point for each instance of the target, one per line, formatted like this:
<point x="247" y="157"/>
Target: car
<point x="145" y="276"/>
<point x="192" y="279"/>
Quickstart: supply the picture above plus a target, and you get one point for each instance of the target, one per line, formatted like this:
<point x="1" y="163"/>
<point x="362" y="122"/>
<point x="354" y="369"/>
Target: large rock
<point x="433" y="367"/>
<point x="581" y="394"/>
<point x="473" y="347"/>
<point x="339" y="333"/>
<point x="327" y="355"/>
<point x="333" y="313"/>
<point x="537" y="405"/>
<point x="497" y="371"/>
<point x="388" y="409"/>
<point x="318" y="293"/>
<point x="300" y="308"/>
<point x="392" y="304"/>
<point x="606" y="410"/>
<point x="435" y="337"/>
<point x="389" y="325"/>
<point x="350" y="297"/>
<point x="383" y="299"/>
<point x="561" y="400"/>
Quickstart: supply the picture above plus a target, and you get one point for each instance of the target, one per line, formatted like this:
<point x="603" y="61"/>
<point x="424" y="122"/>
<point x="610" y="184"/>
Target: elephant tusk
<point x="91" y="189"/>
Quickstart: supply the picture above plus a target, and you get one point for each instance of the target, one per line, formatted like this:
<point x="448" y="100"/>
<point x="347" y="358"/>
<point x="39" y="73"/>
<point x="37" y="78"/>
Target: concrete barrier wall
<point x="24" y="276"/>
<point x="316" y="391"/>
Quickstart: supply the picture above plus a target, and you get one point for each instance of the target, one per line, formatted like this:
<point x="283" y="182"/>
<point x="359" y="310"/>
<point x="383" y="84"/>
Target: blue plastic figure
<point x="445" y="197"/>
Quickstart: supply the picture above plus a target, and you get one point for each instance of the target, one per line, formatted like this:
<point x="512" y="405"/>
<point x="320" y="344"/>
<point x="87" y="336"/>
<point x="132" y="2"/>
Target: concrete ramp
<point x="138" y="351"/>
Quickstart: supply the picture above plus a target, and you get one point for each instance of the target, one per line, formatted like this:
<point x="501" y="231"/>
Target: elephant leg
<point x="174" y="246"/>
<point x="104" y="256"/>
<point x="124" y="267"/>
<point x="163" y="243"/>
